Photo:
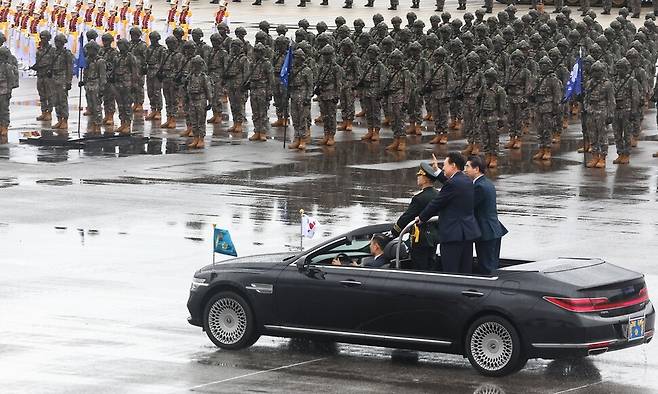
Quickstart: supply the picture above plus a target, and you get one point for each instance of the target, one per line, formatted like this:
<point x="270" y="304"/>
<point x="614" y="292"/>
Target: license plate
<point x="635" y="328"/>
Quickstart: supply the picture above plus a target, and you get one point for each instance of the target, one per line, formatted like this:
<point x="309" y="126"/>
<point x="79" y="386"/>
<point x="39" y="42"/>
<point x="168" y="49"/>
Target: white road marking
<point x="257" y="373"/>
<point x="580" y="387"/>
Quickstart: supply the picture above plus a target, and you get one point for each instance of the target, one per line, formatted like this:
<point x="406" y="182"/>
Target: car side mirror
<point x="302" y="264"/>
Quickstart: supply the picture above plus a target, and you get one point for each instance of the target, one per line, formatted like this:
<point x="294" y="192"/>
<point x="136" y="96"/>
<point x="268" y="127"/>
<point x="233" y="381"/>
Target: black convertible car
<point x="565" y="307"/>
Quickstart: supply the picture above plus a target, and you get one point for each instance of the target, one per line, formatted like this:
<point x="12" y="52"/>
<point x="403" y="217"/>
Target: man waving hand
<point x="457" y="225"/>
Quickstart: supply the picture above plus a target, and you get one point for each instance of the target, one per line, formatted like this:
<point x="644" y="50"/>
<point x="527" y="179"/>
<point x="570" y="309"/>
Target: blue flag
<point x="285" y="69"/>
<point x="81" y="60"/>
<point x="222" y="243"/>
<point x="574" y="85"/>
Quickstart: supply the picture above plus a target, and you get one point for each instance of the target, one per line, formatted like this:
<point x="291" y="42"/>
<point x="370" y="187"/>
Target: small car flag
<point x="222" y="243"/>
<point x="309" y="225"/>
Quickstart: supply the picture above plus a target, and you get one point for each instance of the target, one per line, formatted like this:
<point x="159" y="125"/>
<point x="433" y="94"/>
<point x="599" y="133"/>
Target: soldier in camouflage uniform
<point x="459" y="67"/>
<point x="62" y="68"/>
<point x="260" y="84"/>
<point x="439" y="87"/>
<point x="216" y="63"/>
<point x="189" y="50"/>
<point x="201" y="48"/>
<point x="138" y="50"/>
<point x="167" y="73"/>
<point x="517" y="87"/>
<point x="94" y="80"/>
<point x="8" y="82"/>
<point x="328" y="88"/>
<point x="371" y="84"/>
<point x="399" y="88"/>
<point x="279" y="91"/>
<point x="468" y="93"/>
<point x="300" y="86"/>
<point x="126" y="72"/>
<point x="627" y="101"/>
<point x="491" y="112"/>
<point x="633" y="56"/>
<point x="110" y="55"/>
<point x="546" y="96"/>
<point x="563" y="74"/>
<point x="420" y="70"/>
<point x="198" y="95"/>
<point x="351" y="70"/>
<point x="155" y="55"/>
<point x="599" y="103"/>
<point x="237" y="71"/>
<point x="42" y="66"/>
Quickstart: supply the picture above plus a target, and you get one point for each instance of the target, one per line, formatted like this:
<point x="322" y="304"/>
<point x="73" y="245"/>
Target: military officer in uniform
<point x="260" y="85"/>
<point x="627" y="101"/>
<point x="300" y="86"/>
<point x="546" y="95"/>
<point x="198" y="95"/>
<point x="94" y="80"/>
<point x="216" y="64"/>
<point x="8" y="82"/>
<point x="423" y="238"/>
<point x="492" y="103"/>
<point x="398" y="91"/>
<point x="42" y="66"/>
<point x="371" y="85"/>
<point x="126" y="74"/>
<point x="138" y="50"/>
<point x="599" y="103"/>
<point x="62" y="71"/>
<point x="328" y="89"/>
<point x="166" y="73"/>
<point x="237" y="70"/>
<point x="155" y="55"/>
<point x="110" y="55"/>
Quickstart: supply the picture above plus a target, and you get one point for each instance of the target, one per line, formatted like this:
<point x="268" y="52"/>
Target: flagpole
<point x="301" y="229"/>
<point x="82" y="72"/>
<point x="213" y="243"/>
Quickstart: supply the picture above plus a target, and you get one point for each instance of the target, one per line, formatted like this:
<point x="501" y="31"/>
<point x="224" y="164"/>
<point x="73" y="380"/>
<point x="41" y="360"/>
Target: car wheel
<point x="229" y="321"/>
<point x="493" y="347"/>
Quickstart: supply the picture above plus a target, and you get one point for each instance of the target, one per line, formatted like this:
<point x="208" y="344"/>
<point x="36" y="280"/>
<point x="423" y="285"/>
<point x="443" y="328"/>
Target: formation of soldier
<point x="481" y="76"/>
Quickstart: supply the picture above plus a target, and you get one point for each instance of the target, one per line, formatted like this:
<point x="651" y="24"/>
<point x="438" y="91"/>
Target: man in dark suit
<point x="457" y="225"/>
<point x="377" y="244"/>
<point x="423" y="237"/>
<point x="487" y="246"/>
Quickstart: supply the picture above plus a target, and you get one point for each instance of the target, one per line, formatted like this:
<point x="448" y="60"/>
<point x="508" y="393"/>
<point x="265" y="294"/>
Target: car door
<point x="430" y="304"/>
<point x="326" y="297"/>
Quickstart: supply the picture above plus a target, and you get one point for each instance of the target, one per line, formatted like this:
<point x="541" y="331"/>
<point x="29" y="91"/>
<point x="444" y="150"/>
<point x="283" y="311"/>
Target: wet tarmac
<point x="100" y="241"/>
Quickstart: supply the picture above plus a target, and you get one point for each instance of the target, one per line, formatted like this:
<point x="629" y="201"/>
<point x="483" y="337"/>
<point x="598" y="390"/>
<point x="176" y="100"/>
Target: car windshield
<point x="356" y="249"/>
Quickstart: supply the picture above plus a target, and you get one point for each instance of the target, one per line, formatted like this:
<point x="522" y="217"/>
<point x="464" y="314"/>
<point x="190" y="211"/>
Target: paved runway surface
<point x="99" y="245"/>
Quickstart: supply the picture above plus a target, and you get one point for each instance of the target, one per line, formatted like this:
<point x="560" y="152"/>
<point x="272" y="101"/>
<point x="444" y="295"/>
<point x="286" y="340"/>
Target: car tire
<point x="493" y="347"/>
<point x="229" y="321"/>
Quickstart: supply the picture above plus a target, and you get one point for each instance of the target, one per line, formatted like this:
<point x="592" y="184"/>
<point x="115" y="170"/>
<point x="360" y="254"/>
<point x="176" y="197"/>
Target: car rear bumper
<point x="610" y="335"/>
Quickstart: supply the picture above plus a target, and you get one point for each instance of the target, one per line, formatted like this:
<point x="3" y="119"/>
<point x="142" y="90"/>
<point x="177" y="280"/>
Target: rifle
<point x="36" y="66"/>
<point x="427" y="88"/>
<point x="316" y="88"/>
<point x="160" y="74"/>
<point x="246" y="84"/>
<point x="179" y="75"/>
<point x="386" y="92"/>
<point x="363" y="78"/>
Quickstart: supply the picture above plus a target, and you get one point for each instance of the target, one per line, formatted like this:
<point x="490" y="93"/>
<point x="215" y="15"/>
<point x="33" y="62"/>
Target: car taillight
<point x="597" y="304"/>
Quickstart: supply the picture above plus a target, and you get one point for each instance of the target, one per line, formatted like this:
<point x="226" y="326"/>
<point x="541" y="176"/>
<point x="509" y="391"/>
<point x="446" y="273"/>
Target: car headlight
<point x="198" y="282"/>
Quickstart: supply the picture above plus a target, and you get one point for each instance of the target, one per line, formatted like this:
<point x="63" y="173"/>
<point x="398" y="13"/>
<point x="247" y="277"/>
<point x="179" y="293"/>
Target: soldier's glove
<point x="81" y="84"/>
<point x="208" y="107"/>
<point x="68" y="86"/>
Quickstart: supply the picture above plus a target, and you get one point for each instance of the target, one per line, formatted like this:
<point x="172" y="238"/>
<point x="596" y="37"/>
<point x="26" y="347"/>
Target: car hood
<point x="254" y="261"/>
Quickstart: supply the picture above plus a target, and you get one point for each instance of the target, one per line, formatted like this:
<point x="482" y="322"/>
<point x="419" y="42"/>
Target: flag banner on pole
<point x="285" y="68"/>
<point x="81" y="60"/>
<point x="309" y="226"/>
<point x="574" y="85"/>
<point x="222" y="243"/>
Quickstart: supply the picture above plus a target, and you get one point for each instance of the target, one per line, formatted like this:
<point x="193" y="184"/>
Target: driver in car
<point x="377" y="244"/>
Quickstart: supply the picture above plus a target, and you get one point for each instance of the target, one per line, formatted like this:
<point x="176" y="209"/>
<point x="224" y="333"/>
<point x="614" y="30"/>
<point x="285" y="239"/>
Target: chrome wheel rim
<point x="227" y="321"/>
<point x="491" y="346"/>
